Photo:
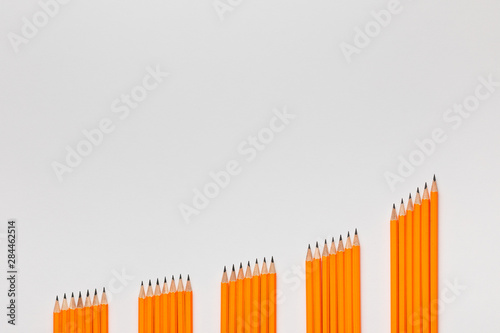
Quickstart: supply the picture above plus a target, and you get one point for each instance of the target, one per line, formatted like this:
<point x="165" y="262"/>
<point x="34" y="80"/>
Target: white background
<point x="322" y="176"/>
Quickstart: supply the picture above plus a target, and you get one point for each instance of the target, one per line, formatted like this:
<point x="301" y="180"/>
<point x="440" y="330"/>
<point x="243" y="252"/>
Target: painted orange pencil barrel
<point x="173" y="312"/>
<point x="181" y="318"/>
<point x="247" y="304"/>
<point x="417" y="302"/>
<point x="88" y="319"/>
<point x="239" y="307"/>
<point x="65" y="321"/>
<point x="232" y="307"/>
<point x="57" y="322"/>
<point x="409" y="269"/>
<point x="434" y="258"/>
<point x="356" y="288"/>
<point x="264" y="307"/>
<point x="224" y="307"/>
<point x="340" y="292"/>
<point x="156" y="313"/>
<point x="333" y="291"/>
<point x="96" y="319"/>
<point x="394" y="277"/>
<point x="148" y="315"/>
<point x="141" y="315"/>
<point x="256" y="304"/>
<point x="72" y="320"/>
<point x="80" y="320"/>
<point x="325" y="281"/>
<point x="317" y="299"/>
<point x="425" y="265"/>
<point x="165" y="299"/>
<point x="189" y="312"/>
<point x="104" y="318"/>
<point x="273" y="302"/>
<point x="348" y="289"/>
<point x="402" y="274"/>
<point x="309" y="297"/>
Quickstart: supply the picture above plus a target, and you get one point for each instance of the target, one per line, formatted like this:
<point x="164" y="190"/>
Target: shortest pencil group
<point x="166" y="310"/>
<point x="79" y="317"/>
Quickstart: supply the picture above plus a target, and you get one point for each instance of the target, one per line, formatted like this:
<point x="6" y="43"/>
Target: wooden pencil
<point x="417" y="281"/>
<point x="317" y="300"/>
<point x="189" y="306"/>
<point x="65" y="315"/>
<point x="402" y="268"/>
<point x="333" y="288"/>
<point x="325" y="287"/>
<point x="247" y="299"/>
<point x="264" y="298"/>
<point x="224" y="303"/>
<point x="273" y="301"/>
<point x="181" y="307"/>
<point x="348" y="284"/>
<point x="165" y="300"/>
<point x="409" y="264"/>
<point x="434" y="256"/>
<point x="173" y="306"/>
<point x="88" y="313"/>
<point x="394" y="272"/>
<point x="256" y="298"/>
<point x="72" y="314"/>
<point x="148" y="312"/>
<point x="157" y="309"/>
<point x="56" y="322"/>
<point x="104" y="312"/>
<point x="232" y="302"/>
<point x="309" y="292"/>
<point x="340" y="287"/>
<point x="80" y="315"/>
<point x="142" y="305"/>
<point x="96" y="314"/>
<point x="356" y="283"/>
<point x="425" y="234"/>
<point x="239" y="301"/>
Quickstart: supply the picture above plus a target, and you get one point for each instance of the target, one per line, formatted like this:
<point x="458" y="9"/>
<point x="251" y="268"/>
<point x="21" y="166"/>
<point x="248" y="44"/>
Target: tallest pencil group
<point x="414" y="264"/>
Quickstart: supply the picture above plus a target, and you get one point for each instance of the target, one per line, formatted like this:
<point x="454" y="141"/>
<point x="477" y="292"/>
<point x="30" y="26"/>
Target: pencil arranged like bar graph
<point x="333" y="287"/>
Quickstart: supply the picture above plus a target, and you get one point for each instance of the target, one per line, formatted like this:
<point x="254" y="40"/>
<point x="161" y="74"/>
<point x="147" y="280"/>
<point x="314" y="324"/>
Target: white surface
<point x="321" y="176"/>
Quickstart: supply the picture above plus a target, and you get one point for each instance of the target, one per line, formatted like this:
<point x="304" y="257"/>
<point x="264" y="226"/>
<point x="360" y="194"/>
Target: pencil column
<point x="309" y="292"/>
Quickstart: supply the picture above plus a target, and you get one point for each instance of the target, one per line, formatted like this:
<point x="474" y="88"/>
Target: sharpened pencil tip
<point x="157" y="281"/>
<point x="95" y="292"/>
<point x="425" y="185"/>
<point x="333" y="240"/>
<point x="233" y="267"/>
<point x="142" y="283"/>
<point x="149" y="282"/>
<point x="317" y="245"/>
<point x="264" y="259"/>
<point x="103" y="289"/>
<point x="356" y="231"/>
<point x="180" y="276"/>
<point x="80" y="294"/>
<point x="189" y="279"/>
<point x="410" y="195"/>
<point x="394" y="206"/>
<point x="272" y="259"/>
<point x="309" y="247"/>
<point x="402" y="202"/>
<point x="418" y="190"/>
<point x="57" y="298"/>
<point x="72" y="295"/>
<point x="173" y="277"/>
<point x="241" y="265"/>
<point x="340" y="238"/>
<point x="434" y="177"/>
<point x="224" y="269"/>
<point x="165" y="280"/>
<point x="64" y="295"/>
<point x="348" y="235"/>
<point x="256" y="261"/>
<point x="88" y="293"/>
<point x="248" y="263"/>
<point x="325" y="242"/>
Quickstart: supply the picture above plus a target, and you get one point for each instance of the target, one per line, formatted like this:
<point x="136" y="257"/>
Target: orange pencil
<point x="317" y="301"/>
<point x="189" y="306"/>
<point x="239" y="301"/>
<point x="256" y="298"/>
<point x="417" y="281"/>
<point x="65" y="315"/>
<point x="104" y="312"/>
<point x="96" y="314"/>
<point x="173" y="306"/>
<point x="142" y="314"/>
<point x="333" y="288"/>
<point x="72" y="314"/>
<point x="264" y="298"/>
<point x="157" y="308"/>
<point x="88" y="313"/>
<point x="57" y="317"/>
<point x="356" y="283"/>
<point x="273" y="301"/>
<point x="325" y="287"/>
<point x="148" y="310"/>
<point x="309" y="291"/>
<point x="181" y="310"/>
<point x="232" y="302"/>
<point x="165" y="300"/>
<point x="394" y="272"/>
<point x="402" y="269"/>
<point x="247" y="299"/>
<point x="409" y="265"/>
<point x="80" y="315"/>
<point x="340" y="287"/>
<point x="434" y="256"/>
<point x="348" y="284"/>
<point x="425" y="234"/>
<point x="224" y="303"/>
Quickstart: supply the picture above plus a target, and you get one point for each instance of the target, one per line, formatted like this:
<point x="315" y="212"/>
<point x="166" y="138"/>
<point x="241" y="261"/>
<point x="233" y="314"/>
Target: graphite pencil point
<point x="356" y="231"/>
<point x="142" y="283"/>
<point x="272" y="259"/>
<point x="233" y="267"/>
<point x="348" y="235"/>
<point x="434" y="177"/>
<point x="173" y="277"/>
<point x="340" y="237"/>
<point x="157" y="281"/>
<point x="325" y="242"/>
<point x="317" y="244"/>
<point x="72" y="295"/>
<point x="180" y="276"/>
<point x="333" y="240"/>
<point x="64" y="295"/>
<point x="394" y="206"/>
<point x="95" y="292"/>
<point x="88" y="293"/>
<point x="57" y="298"/>
<point x="165" y="279"/>
<point x="309" y="247"/>
<point x="248" y="263"/>
<point x="224" y="269"/>
<point x="241" y="265"/>
<point x="410" y="195"/>
<point x="402" y="201"/>
<point x="256" y="261"/>
<point x="264" y="259"/>
<point x="189" y="278"/>
<point x="150" y="282"/>
<point x="103" y="289"/>
<point x="80" y="294"/>
<point x="425" y="185"/>
<point x="418" y="190"/>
